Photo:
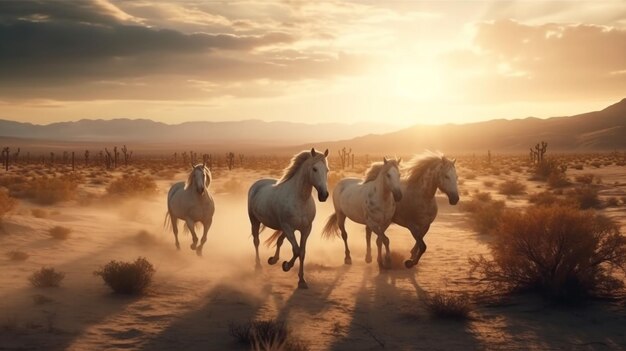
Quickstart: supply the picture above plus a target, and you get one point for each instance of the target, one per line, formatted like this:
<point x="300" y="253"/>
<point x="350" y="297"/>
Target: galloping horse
<point x="371" y="202"/>
<point x="425" y="174"/>
<point x="286" y="205"/>
<point x="191" y="202"/>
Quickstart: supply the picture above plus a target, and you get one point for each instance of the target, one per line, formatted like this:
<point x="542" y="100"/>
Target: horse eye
<point x="314" y="169"/>
<point x="388" y="175"/>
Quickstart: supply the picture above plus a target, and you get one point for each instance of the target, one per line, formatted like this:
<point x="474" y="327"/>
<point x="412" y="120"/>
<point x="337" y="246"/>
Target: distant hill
<point x="148" y="131"/>
<point x="593" y="131"/>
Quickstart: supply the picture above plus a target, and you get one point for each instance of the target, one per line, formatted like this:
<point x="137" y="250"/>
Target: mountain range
<point x="592" y="131"/>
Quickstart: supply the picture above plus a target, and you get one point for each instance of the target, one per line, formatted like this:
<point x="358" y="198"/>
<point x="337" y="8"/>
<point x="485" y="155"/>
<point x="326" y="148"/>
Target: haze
<point x="403" y="63"/>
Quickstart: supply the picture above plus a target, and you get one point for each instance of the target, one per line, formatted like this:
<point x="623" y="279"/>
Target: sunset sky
<point x="400" y="62"/>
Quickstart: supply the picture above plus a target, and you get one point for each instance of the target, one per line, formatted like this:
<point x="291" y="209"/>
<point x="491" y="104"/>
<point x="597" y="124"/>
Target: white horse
<point x="371" y="202"/>
<point x="191" y="202"/>
<point x="286" y="205"/>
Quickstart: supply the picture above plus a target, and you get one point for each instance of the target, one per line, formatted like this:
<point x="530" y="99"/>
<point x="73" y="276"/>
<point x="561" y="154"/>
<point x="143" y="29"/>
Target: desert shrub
<point x="558" y="251"/>
<point x="39" y="213"/>
<point x="585" y="178"/>
<point x="545" y="198"/>
<point x="7" y="203"/>
<point x="585" y="197"/>
<point x="557" y="180"/>
<point x="268" y="335"/>
<point x="511" y="187"/>
<point x="488" y="183"/>
<point x="483" y="212"/>
<point x="612" y="202"/>
<point x="46" y="277"/>
<point x="60" y="233"/>
<point x="51" y="190"/>
<point x="17" y="255"/>
<point x="132" y="185"/>
<point x="578" y="167"/>
<point x="470" y="176"/>
<point x="448" y="306"/>
<point x="127" y="277"/>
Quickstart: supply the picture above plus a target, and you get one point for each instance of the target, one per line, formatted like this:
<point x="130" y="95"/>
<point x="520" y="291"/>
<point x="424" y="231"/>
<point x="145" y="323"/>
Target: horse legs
<point x="206" y="226"/>
<point x="279" y="243"/>
<point x="192" y="229"/>
<point x="289" y="233"/>
<point x="304" y="236"/>
<point x="420" y="246"/>
<point x="368" y="239"/>
<point x="256" y="226"/>
<point x="381" y="240"/>
<point x="174" y="222"/>
<point x="341" y="223"/>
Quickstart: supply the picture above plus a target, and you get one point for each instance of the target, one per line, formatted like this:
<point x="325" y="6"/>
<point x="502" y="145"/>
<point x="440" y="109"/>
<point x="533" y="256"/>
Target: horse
<point x="371" y="201"/>
<point x="424" y="174"/>
<point x="191" y="202"/>
<point x="286" y="205"/>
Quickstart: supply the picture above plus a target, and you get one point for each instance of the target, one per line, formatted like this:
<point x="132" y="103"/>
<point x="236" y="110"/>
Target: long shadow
<point x="72" y="301"/>
<point x="206" y="327"/>
<point x="389" y="313"/>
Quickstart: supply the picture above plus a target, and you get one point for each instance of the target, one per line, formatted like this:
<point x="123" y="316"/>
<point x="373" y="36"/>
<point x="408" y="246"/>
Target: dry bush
<point x="7" y="203"/>
<point x="544" y="169"/>
<point x="127" y="277"/>
<point x="132" y="185"/>
<point x="483" y="212"/>
<point x="60" y="233"/>
<point x="46" y="277"/>
<point x="612" y="202"/>
<point x="470" y="176"/>
<point x="448" y="306"/>
<point x="578" y="167"/>
<point x="488" y="183"/>
<point x="585" y="197"/>
<point x="558" y="251"/>
<point x="546" y="198"/>
<point x="558" y="180"/>
<point x="585" y="178"/>
<point x="266" y="335"/>
<point x="39" y="213"/>
<point x="17" y="255"/>
<point x="511" y="187"/>
<point x="48" y="191"/>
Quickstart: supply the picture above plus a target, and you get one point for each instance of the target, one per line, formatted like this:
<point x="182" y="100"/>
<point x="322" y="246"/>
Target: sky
<point x="397" y="62"/>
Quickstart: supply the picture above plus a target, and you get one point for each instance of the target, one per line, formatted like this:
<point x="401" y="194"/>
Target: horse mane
<point x="417" y="166"/>
<point x="191" y="175"/>
<point x="296" y="162"/>
<point x="374" y="170"/>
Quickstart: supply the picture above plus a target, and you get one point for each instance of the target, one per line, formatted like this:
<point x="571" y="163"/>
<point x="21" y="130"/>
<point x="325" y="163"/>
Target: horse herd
<point x="389" y="193"/>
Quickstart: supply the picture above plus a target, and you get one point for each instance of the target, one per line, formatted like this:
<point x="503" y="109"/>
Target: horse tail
<point x="273" y="238"/>
<point x="167" y="222"/>
<point x="331" y="229"/>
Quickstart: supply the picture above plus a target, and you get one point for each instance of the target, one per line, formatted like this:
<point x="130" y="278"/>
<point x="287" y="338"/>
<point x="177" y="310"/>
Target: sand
<point x="194" y="299"/>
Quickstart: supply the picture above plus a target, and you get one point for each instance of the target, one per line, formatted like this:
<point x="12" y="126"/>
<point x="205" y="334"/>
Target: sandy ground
<point x="194" y="299"/>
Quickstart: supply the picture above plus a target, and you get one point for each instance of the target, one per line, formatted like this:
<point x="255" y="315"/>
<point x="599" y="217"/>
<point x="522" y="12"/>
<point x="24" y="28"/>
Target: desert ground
<point x="194" y="300"/>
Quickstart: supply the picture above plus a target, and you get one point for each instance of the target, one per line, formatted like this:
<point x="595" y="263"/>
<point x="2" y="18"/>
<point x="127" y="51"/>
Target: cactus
<point x="127" y="155"/>
<point x="241" y="156"/>
<point x="86" y="157"/>
<point x="344" y="156"/>
<point x="5" y="157"/>
<point x="230" y="160"/>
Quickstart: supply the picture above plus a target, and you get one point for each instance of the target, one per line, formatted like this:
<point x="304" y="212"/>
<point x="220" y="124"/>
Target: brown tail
<point x="273" y="238"/>
<point x="331" y="229"/>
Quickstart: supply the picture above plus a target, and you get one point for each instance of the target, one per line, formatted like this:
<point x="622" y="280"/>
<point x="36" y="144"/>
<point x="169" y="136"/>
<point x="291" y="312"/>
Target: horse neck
<point x="385" y="190"/>
<point x="299" y="184"/>
<point x="425" y="185"/>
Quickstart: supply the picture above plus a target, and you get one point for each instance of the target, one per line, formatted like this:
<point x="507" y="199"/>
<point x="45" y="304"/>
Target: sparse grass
<point x="60" y="233"/>
<point x="511" y="187"/>
<point x="7" y="203"/>
<point x="17" y="255"/>
<point x="483" y="212"/>
<point x="46" y="277"/>
<point x="448" y="306"/>
<point x="132" y="185"/>
<point x="559" y="252"/>
<point x="266" y="335"/>
<point x="130" y="278"/>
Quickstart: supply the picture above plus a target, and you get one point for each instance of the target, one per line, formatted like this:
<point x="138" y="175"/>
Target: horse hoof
<point x="347" y="260"/>
<point x="368" y="259"/>
<point x="286" y="266"/>
<point x="272" y="260"/>
<point x="199" y="252"/>
<point x="408" y="264"/>
<point x="177" y="246"/>
<point x="302" y="285"/>
<point x="193" y="246"/>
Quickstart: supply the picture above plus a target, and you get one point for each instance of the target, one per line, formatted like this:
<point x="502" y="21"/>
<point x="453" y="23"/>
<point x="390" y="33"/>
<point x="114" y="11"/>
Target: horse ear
<point x="385" y="160"/>
<point x="326" y="153"/>
<point x="399" y="160"/>
<point x="313" y="151"/>
<point x="453" y="160"/>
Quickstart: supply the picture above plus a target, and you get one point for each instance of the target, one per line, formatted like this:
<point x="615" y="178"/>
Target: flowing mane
<point x="191" y="175"/>
<point x="416" y="167"/>
<point x="296" y="162"/>
<point x="375" y="168"/>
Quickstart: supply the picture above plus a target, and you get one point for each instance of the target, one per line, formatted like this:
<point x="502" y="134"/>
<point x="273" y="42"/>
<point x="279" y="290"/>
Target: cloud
<point x="512" y="61"/>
